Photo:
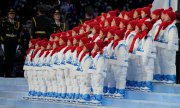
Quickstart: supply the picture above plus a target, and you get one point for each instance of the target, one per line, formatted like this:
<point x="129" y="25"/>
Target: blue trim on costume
<point x="159" y="77"/>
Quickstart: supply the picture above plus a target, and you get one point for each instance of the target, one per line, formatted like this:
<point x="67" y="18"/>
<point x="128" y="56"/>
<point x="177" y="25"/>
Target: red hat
<point x="78" y="37"/>
<point x="105" y="31"/>
<point x="157" y="12"/>
<point x="97" y="28"/>
<point x="133" y="23"/>
<point x="71" y="39"/>
<point x="129" y="14"/>
<point x="113" y="13"/>
<point x="112" y="31"/>
<point x="44" y="44"/>
<point x="139" y="24"/>
<point x="109" y="20"/>
<point x="125" y="22"/>
<point x="123" y="13"/>
<point x="120" y="34"/>
<point x="98" y="18"/>
<point x="147" y="9"/>
<point x="88" y="21"/>
<point x="117" y="20"/>
<point x="169" y="9"/>
<point x="104" y="15"/>
<point x="138" y="10"/>
<point x="56" y="42"/>
<point x="148" y="24"/>
<point x="69" y="32"/>
<point x="76" y="29"/>
<point x="53" y="36"/>
<point x="85" y="40"/>
<point x="89" y="46"/>
<point x="101" y="45"/>
<point x="64" y="38"/>
<point x="102" y="23"/>
<point x="92" y="24"/>
<point x="33" y="41"/>
<point x="171" y="14"/>
<point x="39" y="43"/>
<point x="50" y="43"/>
<point x="62" y="34"/>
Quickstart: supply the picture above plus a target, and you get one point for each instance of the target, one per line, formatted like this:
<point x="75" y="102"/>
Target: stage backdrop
<point x="165" y="4"/>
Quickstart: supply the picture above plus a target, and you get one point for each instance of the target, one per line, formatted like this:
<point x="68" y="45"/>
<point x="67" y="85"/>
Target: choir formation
<point x="105" y="55"/>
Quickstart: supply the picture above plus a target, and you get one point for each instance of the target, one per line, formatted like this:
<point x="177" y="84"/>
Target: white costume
<point x="167" y="45"/>
<point x="98" y="70"/>
<point x="144" y="54"/>
<point x="119" y="61"/>
<point x="109" y="83"/>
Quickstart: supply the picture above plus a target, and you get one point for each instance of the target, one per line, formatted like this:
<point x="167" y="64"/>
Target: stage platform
<point x="12" y="92"/>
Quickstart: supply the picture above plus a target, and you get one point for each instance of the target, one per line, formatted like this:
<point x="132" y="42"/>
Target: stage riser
<point x="12" y="92"/>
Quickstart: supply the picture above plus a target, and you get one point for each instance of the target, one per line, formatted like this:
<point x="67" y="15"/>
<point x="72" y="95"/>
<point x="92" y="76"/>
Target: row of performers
<point x="82" y="66"/>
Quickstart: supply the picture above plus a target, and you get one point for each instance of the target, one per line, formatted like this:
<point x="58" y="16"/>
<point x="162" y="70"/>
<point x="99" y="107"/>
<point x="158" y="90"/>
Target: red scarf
<point x="79" y="49"/>
<point x="154" y="20"/>
<point x="73" y="48"/>
<point x="94" y="37"/>
<point x="47" y="52"/>
<point x="133" y="42"/>
<point x="83" y="55"/>
<point x="143" y="34"/>
<point x="115" y="43"/>
<point x="34" y="54"/>
<point x="96" y="52"/>
<point x="67" y="49"/>
<point x="41" y="53"/>
<point x="127" y="33"/>
<point x="162" y="26"/>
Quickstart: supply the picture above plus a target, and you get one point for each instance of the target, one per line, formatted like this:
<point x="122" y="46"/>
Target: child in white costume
<point x="98" y="70"/>
<point x="85" y="64"/>
<point x="143" y="49"/>
<point x="119" y="62"/>
<point x="167" y="43"/>
<point x="27" y="64"/>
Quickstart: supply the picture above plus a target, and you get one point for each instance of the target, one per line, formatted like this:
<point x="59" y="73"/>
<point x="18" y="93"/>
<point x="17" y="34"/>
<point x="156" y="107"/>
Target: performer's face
<point x="96" y="48"/>
<point x="121" y="25"/>
<point x="135" y="15"/>
<point x="74" y="41"/>
<point x="121" y="16"/>
<point x="137" y="30"/>
<point x="101" y="34"/>
<point x="81" y="31"/>
<point x="51" y="39"/>
<point x="54" y="45"/>
<point x="143" y="14"/>
<point x="162" y="16"/>
<point x="30" y="44"/>
<point x="129" y="27"/>
<point x="153" y="16"/>
<point x="144" y="27"/>
<point x="61" y="42"/>
<point x="48" y="46"/>
<point x="116" y="37"/>
<point x="106" y="24"/>
<point x="56" y="16"/>
<point x="11" y="16"/>
<point x="109" y="35"/>
<point x="93" y="31"/>
<point x="81" y="43"/>
<point x="69" y="43"/>
<point x="56" y="38"/>
<point x="167" y="18"/>
<point x="73" y="33"/>
<point x="126" y="17"/>
<point x="113" y="23"/>
<point x="85" y="49"/>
